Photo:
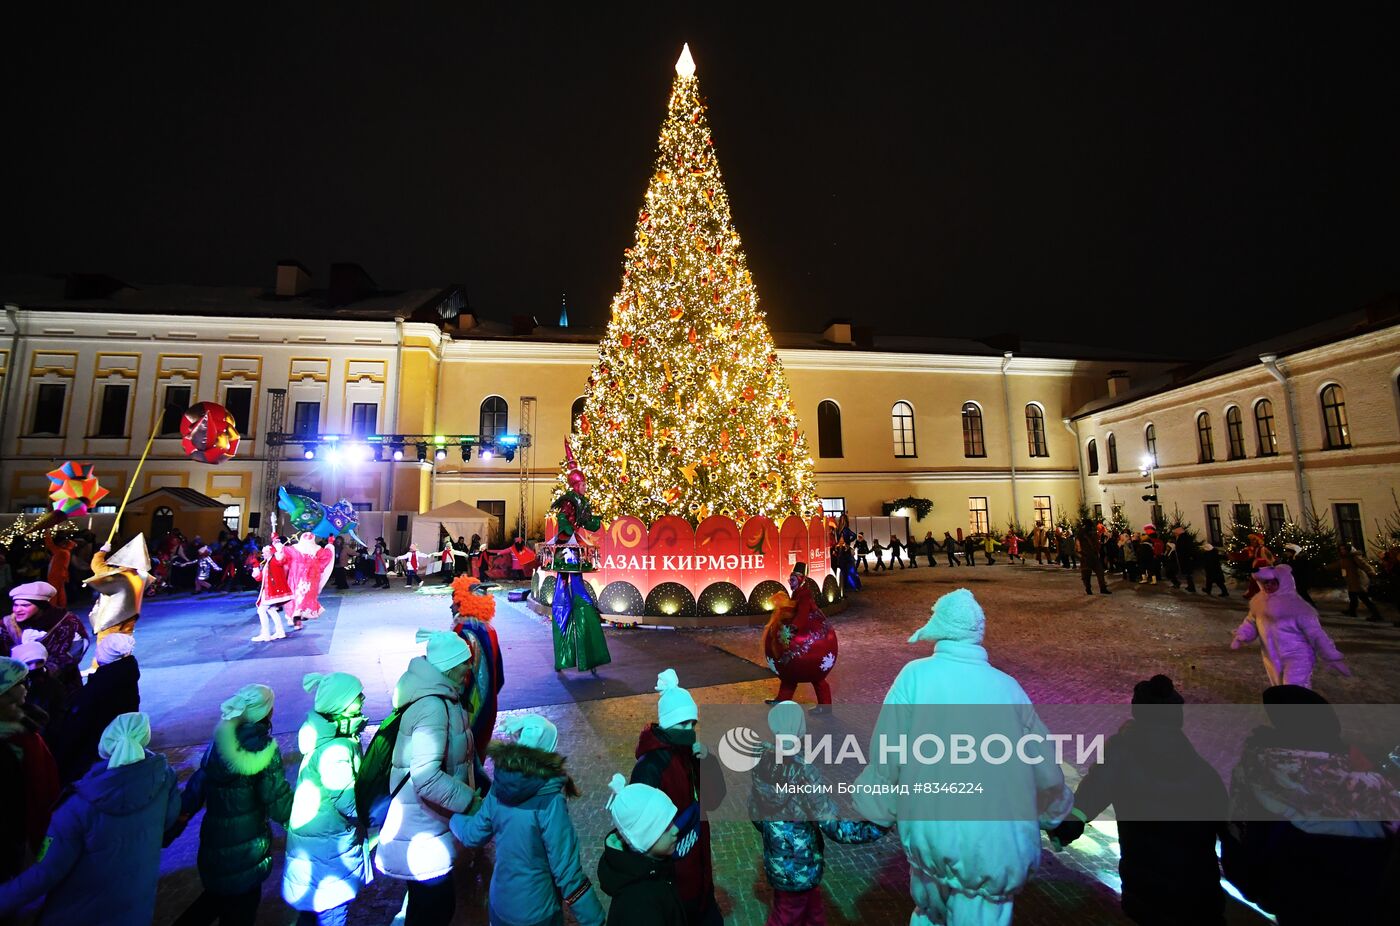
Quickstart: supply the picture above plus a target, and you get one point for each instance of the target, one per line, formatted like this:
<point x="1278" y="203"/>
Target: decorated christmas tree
<point x="688" y="412"/>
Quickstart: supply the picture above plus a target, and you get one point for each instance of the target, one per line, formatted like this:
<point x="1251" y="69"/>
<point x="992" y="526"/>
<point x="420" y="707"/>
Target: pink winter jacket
<point x="1286" y="626"/>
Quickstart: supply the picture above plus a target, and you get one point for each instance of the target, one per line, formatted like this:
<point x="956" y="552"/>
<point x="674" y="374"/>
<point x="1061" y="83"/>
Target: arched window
<point x="1264" y="427"/>
<point x="1149" y="436"/>
<point x="1234" y="430"/>
<point x="902" y="420"/>
<point x="973" y="444"/>
<point x="828" y="429"/>
<point x="575" y="411"/>
<point x="1093" y="454"/>
<point x="162" y="522"/>
<point x="1112" y="453"/>
<point x="1035" y="431"/>
<point x="1334" y="418"/>
<point x="494" y="417"/>
<point x="1204" y="441"/>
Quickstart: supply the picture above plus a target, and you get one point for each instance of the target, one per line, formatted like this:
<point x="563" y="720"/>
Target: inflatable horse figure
<point x="307" y="514"/>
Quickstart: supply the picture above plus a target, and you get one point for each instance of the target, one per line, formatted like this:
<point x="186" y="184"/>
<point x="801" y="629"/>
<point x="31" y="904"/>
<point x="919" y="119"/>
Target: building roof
<point x="101" y="293"/>
<point x="98" y="293"/>
<point x="188" y="497"/>
<point x="1376" y="317"/>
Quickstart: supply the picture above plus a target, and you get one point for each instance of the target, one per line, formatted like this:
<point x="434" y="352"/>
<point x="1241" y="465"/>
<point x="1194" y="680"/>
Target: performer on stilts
<point x="800" y="643"/>
<point x="274" y="590"/>
<point x="577" y="627"/>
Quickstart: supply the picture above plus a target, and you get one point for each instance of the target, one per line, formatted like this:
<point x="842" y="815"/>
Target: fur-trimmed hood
<point x="522" y="772"/>
<point x="35" y="719"/>
<point x="244" y="748"/>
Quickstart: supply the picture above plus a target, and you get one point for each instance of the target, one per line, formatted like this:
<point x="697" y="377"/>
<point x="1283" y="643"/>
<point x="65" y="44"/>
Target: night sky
<point x="1180" y="179"/>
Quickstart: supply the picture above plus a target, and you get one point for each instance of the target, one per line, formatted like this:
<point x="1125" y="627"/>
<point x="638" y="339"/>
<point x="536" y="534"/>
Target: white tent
<point x="460" y="520"/>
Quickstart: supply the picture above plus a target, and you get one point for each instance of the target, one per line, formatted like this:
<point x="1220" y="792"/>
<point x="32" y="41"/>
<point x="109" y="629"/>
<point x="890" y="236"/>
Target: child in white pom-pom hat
<point x="791" y="807"/>
<point x="637" y="869"/>
<point x="527" y="814"/>
<point x="669" y="758"/>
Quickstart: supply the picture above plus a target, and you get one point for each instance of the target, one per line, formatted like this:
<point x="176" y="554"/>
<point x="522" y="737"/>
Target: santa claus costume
<point x="800" y="643"/>
<point x="274" y="590"/>
<point x="310" y="568"/>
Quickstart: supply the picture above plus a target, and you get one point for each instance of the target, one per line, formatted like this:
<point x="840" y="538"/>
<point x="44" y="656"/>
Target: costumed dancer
<point x="577" y="626"/>
<point x="800" y="643"/>
<point x="309" y="569"/>
<point x="1290" y="637"/>
<point x="411" y="560"/>
<point x="120" y="581"/>
<point x="473" y="607"/>
<point x="274" y="590"/>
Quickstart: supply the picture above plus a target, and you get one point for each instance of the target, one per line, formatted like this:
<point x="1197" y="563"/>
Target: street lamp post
<point x="1149" y="470"/>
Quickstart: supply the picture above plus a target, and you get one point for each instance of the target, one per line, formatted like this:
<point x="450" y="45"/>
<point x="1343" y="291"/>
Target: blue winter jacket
<point x="793" y="819"/>
<point x="537" y="854"/>
<point x="103" y="857"/>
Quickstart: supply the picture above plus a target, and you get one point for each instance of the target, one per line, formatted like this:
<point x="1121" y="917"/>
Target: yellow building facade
<point x="984" y="436"/>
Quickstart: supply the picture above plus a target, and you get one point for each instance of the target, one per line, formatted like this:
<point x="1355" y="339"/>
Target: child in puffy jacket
<point x="243" y="789"/>
<point x="526" y="813"/>
<point x="637" y="869"/>
<point x="791" y="811"/>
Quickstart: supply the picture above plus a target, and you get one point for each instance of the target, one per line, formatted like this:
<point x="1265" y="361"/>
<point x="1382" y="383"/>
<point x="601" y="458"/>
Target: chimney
<point x="465" y="321"/>
<point x="349" y="283"/>
<point x="523" y="325"/>
<point x="1117" y="383"/>
<point x="838" y="333"/>
<point x="292" y="278"/>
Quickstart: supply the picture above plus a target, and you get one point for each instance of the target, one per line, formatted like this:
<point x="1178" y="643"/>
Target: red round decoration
<point x="207" y="433"/>
<point x="799" y="642"/>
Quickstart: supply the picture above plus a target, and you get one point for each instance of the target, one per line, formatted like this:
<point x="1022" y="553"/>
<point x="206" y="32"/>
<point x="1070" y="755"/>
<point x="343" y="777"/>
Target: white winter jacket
<point x="987" y="858"/>
<point x="434" y="747"/>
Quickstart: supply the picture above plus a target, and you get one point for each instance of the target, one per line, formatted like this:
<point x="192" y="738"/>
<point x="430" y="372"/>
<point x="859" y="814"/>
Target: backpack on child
<point x="372" y="793"/>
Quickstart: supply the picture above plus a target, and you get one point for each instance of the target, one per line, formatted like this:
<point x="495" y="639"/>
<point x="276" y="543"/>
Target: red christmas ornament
<point x="207" y="433"/>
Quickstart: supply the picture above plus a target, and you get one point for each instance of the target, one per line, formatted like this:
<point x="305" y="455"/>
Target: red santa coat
<point x="275" y="587"/>
<point x="800" y="643"/>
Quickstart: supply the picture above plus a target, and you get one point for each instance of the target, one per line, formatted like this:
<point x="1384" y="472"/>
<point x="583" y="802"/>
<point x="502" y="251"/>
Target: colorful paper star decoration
<point x="74" y="489"/>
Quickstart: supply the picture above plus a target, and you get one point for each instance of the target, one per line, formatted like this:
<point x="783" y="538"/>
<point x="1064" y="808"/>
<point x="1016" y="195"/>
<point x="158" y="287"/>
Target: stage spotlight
<point x="379" y="453"/>
<point x="440" y="453"/>
<point x="422" y="453"/>
<point x="396" y="448"/>
<point x="509" y="454"/>
<point x="486" y="453"/>
<point x="309" y="453"/>
<point x="333" y="456"/>
<point x="466" y="452"/>
<point x="364" y="453"/>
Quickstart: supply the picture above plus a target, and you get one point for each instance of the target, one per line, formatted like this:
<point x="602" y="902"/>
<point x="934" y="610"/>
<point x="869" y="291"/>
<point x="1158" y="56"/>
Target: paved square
<point x="1063" y="646"/>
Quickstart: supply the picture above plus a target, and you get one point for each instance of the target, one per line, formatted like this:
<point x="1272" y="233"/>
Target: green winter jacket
<point x="242" y="786"/>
